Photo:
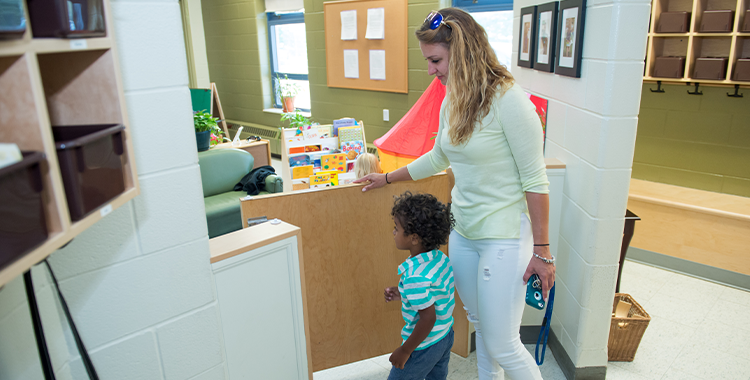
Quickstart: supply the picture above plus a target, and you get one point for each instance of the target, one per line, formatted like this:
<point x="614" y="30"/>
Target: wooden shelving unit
<point x="51" y="81"/>
<point x="694" y="44"/>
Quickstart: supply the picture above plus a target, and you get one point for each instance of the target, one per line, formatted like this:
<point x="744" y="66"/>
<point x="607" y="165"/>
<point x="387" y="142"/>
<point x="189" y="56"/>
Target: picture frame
<point x="546" y="33"/>
<point x="569" y="46"/>
<point x="527" y="37"/>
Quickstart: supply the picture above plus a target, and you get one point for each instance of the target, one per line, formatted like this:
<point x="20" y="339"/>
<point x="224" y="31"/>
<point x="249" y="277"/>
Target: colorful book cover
<point x="297" y="150"/>
<point x="346" y="178"/>
<point x="312" y="148"/>
<point x="324" y="179"/>
<point x="301" y="160"/>
<point x="352" y="149"/>
<point x="350" y="134"/>
<point x="333" y="162"/>
<point x="343" y="122"/>
<point x="302" y="172"/>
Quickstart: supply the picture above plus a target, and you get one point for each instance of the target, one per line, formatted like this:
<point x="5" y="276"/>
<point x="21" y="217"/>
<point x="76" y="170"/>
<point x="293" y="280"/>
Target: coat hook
<point x="696" y="92"/>
<point x="658" y="87"/>
<point x="736" y="90"/>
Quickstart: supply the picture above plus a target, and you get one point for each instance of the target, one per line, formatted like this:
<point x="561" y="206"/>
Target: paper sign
<point x="351" y="64"/>
<point x="377" y="64"/>
<point x="349" y="25"/>
<point x="375" y="24"/>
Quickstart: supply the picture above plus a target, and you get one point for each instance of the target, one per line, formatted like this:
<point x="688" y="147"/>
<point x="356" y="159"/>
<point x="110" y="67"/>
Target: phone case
<point x="534" y="293"/>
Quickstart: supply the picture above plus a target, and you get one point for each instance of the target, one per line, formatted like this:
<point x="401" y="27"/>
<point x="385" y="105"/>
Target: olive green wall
<point x="237" y="47"/>
<point x="696" y="141"/>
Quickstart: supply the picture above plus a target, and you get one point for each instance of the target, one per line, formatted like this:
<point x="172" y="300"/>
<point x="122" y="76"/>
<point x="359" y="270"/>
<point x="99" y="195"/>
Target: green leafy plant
<point x="204" y="121"/>
<point x="296" y="119"/>
<point x="286" y="90"/>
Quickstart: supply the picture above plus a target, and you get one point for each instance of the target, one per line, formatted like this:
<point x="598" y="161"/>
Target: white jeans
<point x="488" y="275"/>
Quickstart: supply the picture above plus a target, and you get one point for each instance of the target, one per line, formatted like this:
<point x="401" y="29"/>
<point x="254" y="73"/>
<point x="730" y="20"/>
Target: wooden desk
<point x="261" y="150"/>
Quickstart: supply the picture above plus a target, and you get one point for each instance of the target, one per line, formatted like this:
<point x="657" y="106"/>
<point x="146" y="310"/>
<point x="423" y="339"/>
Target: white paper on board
<point x="349" y="25"/>
<point x="351" y="64"/>
<point x="375" y="24"/>
<point x="377" y="64"/>
<point x="568" y="39"/>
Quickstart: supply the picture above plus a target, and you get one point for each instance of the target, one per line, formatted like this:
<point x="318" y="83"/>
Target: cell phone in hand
<point x="534" y="292"/>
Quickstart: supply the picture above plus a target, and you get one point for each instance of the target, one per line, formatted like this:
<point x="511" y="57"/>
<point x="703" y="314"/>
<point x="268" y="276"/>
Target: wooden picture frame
<point x="569" y="47"/>
<point x="546" y="33"/>
<point x="527" y="37"/>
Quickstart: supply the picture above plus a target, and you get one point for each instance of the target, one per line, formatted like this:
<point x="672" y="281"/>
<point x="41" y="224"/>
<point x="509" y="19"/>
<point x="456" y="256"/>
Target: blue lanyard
<point x="544" y="331"/>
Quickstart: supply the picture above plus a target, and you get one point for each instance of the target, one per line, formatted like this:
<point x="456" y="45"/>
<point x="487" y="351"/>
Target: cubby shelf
<point x="51" y="81"/>
<point x="694" y="44"/>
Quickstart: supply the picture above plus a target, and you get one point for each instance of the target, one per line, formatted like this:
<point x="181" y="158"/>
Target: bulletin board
<point x="394" y="43"/>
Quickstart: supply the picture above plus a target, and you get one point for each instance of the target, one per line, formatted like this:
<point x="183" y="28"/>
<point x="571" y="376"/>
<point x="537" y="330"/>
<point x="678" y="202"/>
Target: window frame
<point x="275" y="19"/>
<point x="484" y="5"/>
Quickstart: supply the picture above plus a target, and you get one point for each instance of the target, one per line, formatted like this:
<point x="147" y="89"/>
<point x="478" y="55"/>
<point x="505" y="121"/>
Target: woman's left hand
<point x="546" y="272"/>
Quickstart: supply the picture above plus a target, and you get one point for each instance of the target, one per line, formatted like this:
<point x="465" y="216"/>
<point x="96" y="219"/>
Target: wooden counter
<point x="700" y="226"/>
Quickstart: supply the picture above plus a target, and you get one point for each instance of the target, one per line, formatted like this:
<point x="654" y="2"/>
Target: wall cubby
<point x="60" y="82"/>
<point x="694" y="44"/>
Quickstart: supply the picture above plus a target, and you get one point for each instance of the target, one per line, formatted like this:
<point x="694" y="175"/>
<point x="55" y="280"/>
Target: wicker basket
<point x="625" y="333"/>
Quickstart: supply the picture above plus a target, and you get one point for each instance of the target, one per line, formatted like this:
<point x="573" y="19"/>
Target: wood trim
<point x="689" y="207"/>
<point x="247" y="239"/>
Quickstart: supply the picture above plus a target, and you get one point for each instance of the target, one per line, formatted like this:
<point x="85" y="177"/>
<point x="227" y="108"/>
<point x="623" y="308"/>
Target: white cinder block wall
<point x="591" y="126"/>
<point x="139" y="283"/>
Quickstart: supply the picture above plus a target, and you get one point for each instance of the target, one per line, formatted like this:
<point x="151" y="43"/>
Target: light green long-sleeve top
<point x="502" y="160"/>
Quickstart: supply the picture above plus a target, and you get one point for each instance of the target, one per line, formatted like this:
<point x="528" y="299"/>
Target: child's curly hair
<point x="424" y="215"/>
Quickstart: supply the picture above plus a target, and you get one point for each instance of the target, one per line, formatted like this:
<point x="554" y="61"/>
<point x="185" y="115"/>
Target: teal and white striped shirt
<point x="427" y="279"/>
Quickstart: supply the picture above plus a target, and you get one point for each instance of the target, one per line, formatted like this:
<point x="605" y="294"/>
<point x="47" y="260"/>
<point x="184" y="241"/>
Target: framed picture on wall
<point x="569" y="47"/>
<point x="546" y="30"/>
<point x="527" y="37"/>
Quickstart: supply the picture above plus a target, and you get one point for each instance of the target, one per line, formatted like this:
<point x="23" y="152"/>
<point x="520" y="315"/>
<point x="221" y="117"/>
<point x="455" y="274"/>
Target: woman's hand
<point x="546" y="272"/>
<point x="376" y="180"/>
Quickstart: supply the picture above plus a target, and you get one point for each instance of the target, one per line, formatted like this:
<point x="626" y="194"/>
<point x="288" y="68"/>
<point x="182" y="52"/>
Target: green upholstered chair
<point x="221" y="169"/>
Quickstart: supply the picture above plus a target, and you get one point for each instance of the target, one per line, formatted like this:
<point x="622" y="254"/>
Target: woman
<point x="490" y="135"/>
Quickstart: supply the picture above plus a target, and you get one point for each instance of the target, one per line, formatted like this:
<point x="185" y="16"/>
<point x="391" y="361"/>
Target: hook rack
<point x="696" y="92"/>
<point x="658" y="87"/>
<point x="736" y="92"/>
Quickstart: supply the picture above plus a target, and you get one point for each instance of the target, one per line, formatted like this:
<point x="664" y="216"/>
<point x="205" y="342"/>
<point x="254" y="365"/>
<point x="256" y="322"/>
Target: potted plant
<point x="286" y="91"/>
<point x="205" y="125"/>
<point x="296" y="120"/>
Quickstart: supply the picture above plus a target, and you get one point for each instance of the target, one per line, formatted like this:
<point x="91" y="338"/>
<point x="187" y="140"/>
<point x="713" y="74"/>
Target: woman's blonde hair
<point x="366" y="163"/>
<point x="474" y="73"/>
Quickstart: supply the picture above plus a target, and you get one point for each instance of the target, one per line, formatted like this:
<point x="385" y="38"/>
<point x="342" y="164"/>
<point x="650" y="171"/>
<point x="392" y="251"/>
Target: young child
<point x="366" y="163"/>
<point x="422" y="224"/>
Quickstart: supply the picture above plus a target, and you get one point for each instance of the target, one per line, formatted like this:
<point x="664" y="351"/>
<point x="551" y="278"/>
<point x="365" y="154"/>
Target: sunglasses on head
<point x="434" y="20"/>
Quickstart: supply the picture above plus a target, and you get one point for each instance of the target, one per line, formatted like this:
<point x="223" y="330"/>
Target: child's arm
<point x="391" y="293"/>
<point x="426" y="322"/>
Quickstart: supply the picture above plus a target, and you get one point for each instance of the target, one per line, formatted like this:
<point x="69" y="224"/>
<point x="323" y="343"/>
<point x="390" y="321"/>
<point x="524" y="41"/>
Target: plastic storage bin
<point x="673" y="22"/>
<point x="67" y="18"/>
<point x="719" y="21"/>
<point x="91" y="164"/>
<point x="669" y="67"/>
<point x="23" y="224"/>
<point x="710" y="68"/>
<point x="742" y="70"/>
<point x="625" y="333"/>
<point x="12" y="19"/>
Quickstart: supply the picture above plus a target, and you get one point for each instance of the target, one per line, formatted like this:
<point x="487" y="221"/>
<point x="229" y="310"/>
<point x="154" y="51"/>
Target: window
<point x="496" y="17"/>
<point x="288" y="42"/>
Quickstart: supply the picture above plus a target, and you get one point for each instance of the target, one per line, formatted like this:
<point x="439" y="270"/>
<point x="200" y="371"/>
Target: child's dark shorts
<point x="428" y="364"/>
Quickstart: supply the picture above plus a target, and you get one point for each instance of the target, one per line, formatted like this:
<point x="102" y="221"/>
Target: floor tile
<point x="740" y="297"/>
<point x="673" y="374"/>
<point x="363" y="370"/>
<point x="721" y="336"/>
<point x="728" y="312"/>
<point x="695" y="291"/>
<point x="382" y="361"/>
<point x="708" y="363"/>
<point x="642" y="282"/>
<point x="678" y="310"/>
<point x="618" y="373"/>
<point x="660" y="345"/>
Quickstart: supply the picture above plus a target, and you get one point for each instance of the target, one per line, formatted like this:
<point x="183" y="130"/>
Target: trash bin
<point x="629" y="323"/>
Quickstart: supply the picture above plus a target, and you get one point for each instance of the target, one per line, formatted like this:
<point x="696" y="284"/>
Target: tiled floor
<point x="698" y="330"/>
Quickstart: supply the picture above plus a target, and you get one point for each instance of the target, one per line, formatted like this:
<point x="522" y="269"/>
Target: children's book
<point x="301" y="184"/>
<point x="350" y="134"/>
<point x="300" y="160"/>
<point x="323" y="179"/>
<point x="333" y="162"/>
<point x="352" y="149"/>
<point x="346" y="178"/>
<point x="343" y="122"/>
<point x="312" y="148"/>
<point x="300" y="172"/>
